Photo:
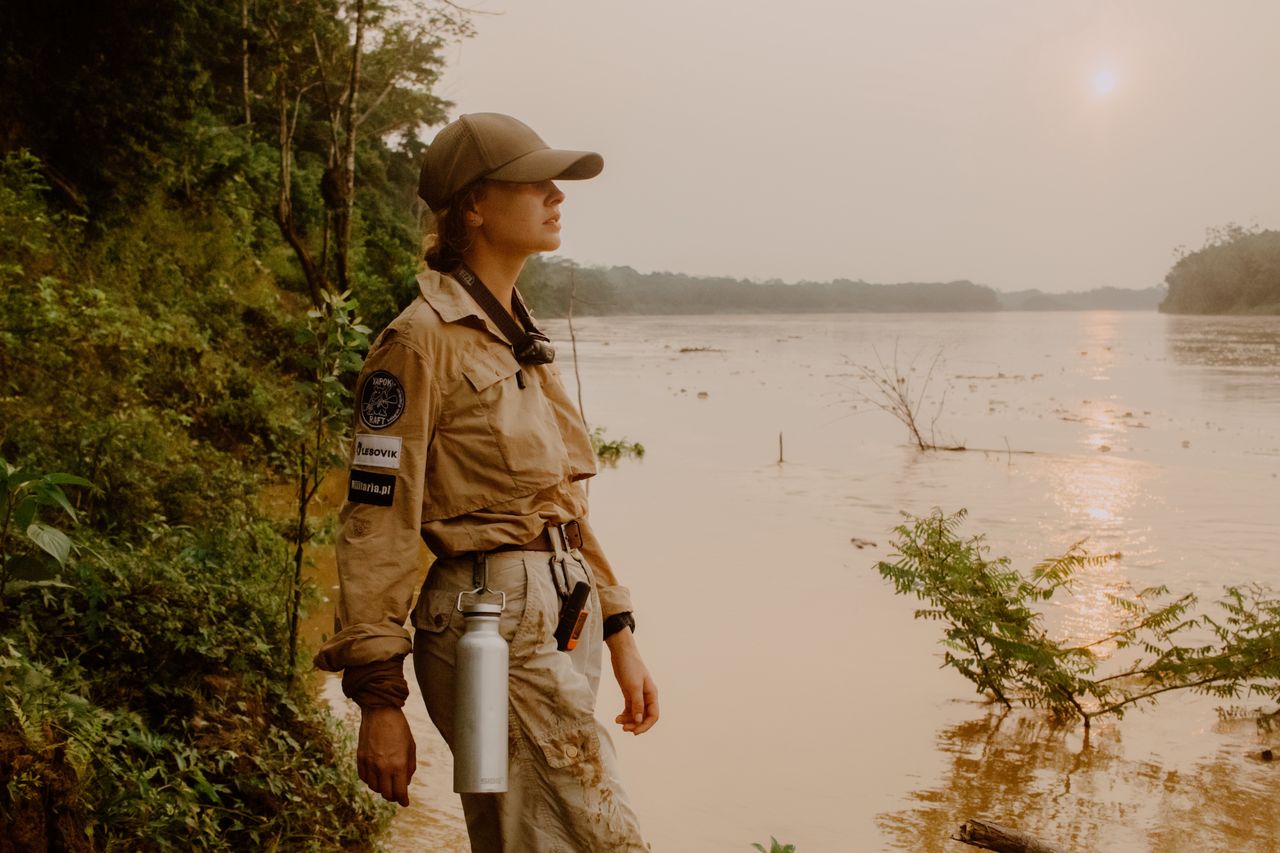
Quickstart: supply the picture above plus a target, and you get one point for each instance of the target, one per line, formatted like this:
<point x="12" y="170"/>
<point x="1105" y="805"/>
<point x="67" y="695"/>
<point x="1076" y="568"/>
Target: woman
<point x="466" y="438"/>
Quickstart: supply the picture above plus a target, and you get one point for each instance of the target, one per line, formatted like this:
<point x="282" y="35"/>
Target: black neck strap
<point x="517" y="333"/>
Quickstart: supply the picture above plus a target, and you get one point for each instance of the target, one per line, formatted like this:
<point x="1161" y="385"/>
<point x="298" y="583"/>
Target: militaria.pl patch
<point x="381" y="400"/>
<point x="377" y="451"/>
<point x="365" y="487"/>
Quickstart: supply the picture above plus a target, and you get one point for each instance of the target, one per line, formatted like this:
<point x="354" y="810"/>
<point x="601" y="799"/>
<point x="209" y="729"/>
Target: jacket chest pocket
<point x="495" y="439"/>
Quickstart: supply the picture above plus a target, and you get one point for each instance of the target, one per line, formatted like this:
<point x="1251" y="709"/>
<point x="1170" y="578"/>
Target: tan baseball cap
<point x="496" y="146"/>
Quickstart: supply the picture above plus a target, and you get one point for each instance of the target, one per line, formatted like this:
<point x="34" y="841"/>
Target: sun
<point x="1104" y="82"/>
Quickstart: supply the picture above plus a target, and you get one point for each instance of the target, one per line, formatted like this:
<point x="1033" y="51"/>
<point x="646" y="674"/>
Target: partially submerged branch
<point x="992" y="836"/>
<point x="894" y="392"/>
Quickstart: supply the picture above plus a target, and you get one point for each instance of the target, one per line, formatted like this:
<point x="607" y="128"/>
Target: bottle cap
<point x="481" y="608"/>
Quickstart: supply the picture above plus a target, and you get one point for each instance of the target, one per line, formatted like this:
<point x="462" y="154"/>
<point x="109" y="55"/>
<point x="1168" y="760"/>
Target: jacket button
<point x="439" y="620"/>
<point x="571" y="751"/>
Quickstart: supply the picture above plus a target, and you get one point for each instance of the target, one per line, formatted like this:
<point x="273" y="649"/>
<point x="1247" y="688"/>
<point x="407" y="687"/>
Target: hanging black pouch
<point x="573" y="615"/>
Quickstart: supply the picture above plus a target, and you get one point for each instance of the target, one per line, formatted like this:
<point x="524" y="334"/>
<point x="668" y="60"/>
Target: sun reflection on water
<point x="1096" y="497"/>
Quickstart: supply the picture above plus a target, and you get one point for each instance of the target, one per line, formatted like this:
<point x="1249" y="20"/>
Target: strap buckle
<point x="565" y="538"/>
<point x="480" y="581"/>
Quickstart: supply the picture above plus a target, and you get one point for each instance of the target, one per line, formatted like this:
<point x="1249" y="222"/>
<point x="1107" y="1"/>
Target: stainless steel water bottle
<point x="480" y="703"/>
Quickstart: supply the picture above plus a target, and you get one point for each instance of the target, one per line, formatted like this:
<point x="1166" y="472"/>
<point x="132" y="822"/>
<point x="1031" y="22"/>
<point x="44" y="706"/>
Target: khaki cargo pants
<point x="563" y="793"/>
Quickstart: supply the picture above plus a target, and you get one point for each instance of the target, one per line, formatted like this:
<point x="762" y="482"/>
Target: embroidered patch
<point x="377" y="451"/>
<point x="381" y="400"/>
<point x="365" y="487"/>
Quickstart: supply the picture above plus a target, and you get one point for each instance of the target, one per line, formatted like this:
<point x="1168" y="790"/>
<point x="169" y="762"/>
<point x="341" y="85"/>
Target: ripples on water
<point x="1085" y="790"/>
<point x="800" y="698"/>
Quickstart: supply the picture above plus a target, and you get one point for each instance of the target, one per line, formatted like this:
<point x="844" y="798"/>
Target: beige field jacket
<point x="457" y="445"/>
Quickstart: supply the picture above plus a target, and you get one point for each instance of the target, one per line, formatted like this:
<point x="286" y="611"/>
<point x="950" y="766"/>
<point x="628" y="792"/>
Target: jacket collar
<point x="451" y="301"/>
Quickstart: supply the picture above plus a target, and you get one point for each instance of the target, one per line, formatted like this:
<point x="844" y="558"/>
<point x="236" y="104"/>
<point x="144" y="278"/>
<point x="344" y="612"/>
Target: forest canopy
<point x="1237" y="271"/>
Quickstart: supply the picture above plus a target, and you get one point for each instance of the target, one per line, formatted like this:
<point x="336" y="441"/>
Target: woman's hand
<point x="639" y="693"/>
<point x="386" y="755"/>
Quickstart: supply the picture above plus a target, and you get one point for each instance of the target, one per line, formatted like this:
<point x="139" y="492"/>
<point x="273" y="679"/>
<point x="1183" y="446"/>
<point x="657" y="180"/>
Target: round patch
<point x="381" y="400"/>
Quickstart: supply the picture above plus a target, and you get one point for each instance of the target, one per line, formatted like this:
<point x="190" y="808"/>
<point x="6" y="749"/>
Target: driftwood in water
<point x="993" y="836"/>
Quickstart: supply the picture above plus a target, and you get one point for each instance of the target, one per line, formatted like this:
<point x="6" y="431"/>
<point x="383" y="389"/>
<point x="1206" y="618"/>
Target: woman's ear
<point x="472" y="216"/>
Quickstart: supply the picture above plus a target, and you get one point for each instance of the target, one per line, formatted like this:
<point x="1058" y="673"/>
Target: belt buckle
<point x="563" y="535"/>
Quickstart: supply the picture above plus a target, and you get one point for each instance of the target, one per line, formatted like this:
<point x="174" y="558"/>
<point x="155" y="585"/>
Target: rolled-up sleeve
<point x="614" y="597"/>
<point x="379" y="550"/>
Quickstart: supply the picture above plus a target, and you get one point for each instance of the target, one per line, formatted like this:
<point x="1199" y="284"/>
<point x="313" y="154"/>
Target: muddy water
<point x="799" y="697"/>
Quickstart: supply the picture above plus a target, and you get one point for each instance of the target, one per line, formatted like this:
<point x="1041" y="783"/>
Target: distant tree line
<point x="549" y="284"/>
<point x="1237" y="271"/>
<point x="1097" y="299"/>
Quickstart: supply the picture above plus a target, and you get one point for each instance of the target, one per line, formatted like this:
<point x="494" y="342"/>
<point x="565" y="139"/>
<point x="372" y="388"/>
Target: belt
<point x="569" y="535"/>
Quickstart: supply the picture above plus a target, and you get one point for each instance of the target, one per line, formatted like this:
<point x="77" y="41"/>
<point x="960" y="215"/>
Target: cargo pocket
<point x="572" y="744"/>
<point x="437" y="608"/>
<point x="436" y="611"/>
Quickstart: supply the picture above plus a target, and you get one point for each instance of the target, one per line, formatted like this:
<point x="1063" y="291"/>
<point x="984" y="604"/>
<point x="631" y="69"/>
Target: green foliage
<point x="332" y="344"/>
<point x="24" y="494"/>
<point x="155" y="341"/>
<point x="611" y="451"/>
<point x="100" y="97"/>
<point x="775" y="847"/>
<point x="141" y="702"/>
<point x="118" y="368"/>
<point x="177" y="100"/>
<point x="1237" y="271"/>
<point x="994" y="635"/>
<point x="144" y="661"/>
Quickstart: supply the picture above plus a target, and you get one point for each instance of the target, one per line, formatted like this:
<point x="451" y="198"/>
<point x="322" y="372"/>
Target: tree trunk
<point x="244" y="61"/>
<point x="347" y="172"/>
<point x="295" y="586"/>
<point x="316" y="283"/>
<point x="993" y="836"/>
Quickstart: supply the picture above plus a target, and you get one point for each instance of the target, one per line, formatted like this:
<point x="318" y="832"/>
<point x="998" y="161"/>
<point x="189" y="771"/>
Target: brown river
<point x="799" y="697"/>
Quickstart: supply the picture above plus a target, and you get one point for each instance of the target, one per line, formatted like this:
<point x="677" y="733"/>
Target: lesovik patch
<point x="381" y="400"/>
<point x="365" y="487"/>
<point x="377" y="451"/>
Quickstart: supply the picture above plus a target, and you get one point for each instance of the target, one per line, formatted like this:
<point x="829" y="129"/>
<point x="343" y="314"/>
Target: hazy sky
<point x="1061" y="145"/>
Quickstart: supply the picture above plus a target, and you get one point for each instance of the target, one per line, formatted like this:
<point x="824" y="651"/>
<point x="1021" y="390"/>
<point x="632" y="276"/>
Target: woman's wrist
<point x="621" y="642"/>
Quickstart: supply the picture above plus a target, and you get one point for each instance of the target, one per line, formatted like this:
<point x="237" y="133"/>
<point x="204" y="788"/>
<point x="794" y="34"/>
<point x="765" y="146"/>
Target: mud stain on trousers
<point x="563" y="792"/>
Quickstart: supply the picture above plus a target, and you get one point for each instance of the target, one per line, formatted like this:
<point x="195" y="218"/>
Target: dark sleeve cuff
<point x="376" y="685"/>
<point x="615" y="623"/>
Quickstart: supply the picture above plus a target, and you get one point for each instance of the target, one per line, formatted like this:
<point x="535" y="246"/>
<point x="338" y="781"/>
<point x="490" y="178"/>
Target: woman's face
<point x="519" y="219"/>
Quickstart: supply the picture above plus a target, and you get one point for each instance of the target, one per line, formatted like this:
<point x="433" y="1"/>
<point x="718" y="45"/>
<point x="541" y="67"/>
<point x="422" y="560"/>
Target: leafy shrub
<point x="775" y="847"/>
<point x="995" y="637"/>
<point x="610" y="451"/>
<point x="144" y="699"/>
<point x="145" y="691"/>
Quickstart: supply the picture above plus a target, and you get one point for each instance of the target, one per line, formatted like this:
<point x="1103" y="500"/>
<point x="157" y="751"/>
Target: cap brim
<point x="550" y="164"/>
